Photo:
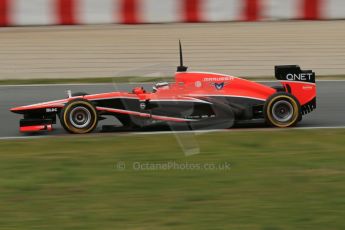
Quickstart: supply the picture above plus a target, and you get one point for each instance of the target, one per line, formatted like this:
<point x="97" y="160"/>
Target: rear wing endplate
<point x="293" y="73"/>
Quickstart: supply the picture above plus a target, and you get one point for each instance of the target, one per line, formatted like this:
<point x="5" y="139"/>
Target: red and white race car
<point x="195" y="99"/>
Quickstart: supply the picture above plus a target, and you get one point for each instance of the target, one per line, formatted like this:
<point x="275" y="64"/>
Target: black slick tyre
<point x="282" y="110"/>
<point x="79" y="116"/>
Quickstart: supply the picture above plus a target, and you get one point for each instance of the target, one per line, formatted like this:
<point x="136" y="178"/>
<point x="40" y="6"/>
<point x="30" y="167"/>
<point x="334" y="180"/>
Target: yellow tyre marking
<point x="73" y="129"/>
<point x="295" y="106"/>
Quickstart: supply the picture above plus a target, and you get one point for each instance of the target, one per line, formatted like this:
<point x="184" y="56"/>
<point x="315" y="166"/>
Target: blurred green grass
<point x="284" y="179"/>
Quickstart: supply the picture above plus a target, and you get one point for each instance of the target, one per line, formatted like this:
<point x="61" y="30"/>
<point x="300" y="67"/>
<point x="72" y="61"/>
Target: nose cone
<point x="17" y="109"/>
<point x="44" y="105"/>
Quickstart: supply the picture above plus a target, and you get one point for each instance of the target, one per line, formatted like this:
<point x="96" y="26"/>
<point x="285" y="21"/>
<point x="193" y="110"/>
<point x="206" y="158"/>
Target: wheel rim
<point x="80" y="117"/>
<point x="282" y="111"/>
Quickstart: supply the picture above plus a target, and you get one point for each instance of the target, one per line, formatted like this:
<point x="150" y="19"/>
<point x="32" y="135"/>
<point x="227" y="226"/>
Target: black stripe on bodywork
<point x="242" y="106"/>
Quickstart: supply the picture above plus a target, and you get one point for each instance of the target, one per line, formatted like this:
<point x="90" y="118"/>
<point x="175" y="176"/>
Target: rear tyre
<point x="282" y="110"/>
<point x="79" y="116"/>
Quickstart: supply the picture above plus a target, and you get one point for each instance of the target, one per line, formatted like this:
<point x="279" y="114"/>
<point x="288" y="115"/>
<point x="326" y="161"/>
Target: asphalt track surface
<point x="329" y="113"/>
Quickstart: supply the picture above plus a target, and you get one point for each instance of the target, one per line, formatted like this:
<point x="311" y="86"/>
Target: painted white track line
<point x="25" y="137"/>
<point x="196" y="132"/>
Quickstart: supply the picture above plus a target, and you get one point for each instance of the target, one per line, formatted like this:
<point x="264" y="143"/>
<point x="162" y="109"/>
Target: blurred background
<point x="237" y="37"/>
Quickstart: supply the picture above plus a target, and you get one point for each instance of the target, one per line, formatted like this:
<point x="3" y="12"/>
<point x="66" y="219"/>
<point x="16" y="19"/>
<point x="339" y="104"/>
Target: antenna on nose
<point x="181" y="68"/>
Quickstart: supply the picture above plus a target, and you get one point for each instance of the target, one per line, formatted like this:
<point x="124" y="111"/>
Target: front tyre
<point x="79" y="116"/>
<point x="282" y="110"/>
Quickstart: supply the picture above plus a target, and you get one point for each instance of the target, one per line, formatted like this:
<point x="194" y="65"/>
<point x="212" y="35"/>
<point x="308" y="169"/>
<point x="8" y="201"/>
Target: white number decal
<point x="51" y="110"/>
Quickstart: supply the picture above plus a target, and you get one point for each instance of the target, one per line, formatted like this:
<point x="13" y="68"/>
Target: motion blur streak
<point x="252" y="10"/>
<point x="192" y="10"/>
<point x="129" y="11"/>
<point x="4" y="12"/>
<point x="65" y="9"/>
<point x="71" y="12"/>
<point x="311" y="9"/>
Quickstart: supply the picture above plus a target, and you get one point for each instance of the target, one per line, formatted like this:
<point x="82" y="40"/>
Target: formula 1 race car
<point x="198" y="100"/>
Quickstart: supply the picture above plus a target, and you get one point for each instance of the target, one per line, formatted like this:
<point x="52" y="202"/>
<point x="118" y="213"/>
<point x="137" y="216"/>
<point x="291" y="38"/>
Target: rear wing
<point x="300" y="83"/>
<point x="293" y="73"/>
